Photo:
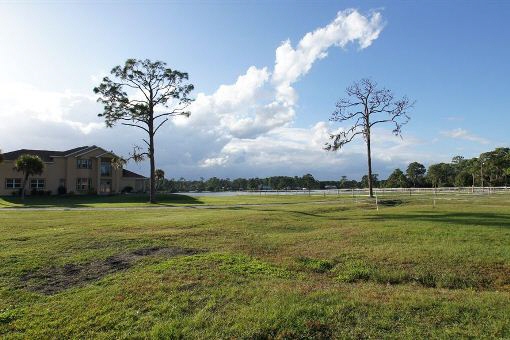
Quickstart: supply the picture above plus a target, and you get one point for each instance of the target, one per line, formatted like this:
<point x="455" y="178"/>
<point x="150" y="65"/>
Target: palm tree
<point x="29" y="165"/>
<point x="160" y="176"/>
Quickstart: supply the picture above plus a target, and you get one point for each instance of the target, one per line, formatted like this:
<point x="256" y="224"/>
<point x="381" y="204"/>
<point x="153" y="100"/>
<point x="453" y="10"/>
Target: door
<point x="105" y="187"/>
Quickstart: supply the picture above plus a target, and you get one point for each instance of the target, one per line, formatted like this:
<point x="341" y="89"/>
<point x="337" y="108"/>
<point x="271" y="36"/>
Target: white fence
<point x="360" y="192"/>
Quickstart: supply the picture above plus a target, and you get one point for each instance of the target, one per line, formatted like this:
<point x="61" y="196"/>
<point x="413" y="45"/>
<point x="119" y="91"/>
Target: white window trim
<point x="13" y="180"/>
<point x="38" y="180"/>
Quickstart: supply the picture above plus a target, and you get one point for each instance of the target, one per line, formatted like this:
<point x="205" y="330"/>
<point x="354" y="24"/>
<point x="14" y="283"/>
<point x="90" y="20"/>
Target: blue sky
<point x="451" y="57"/>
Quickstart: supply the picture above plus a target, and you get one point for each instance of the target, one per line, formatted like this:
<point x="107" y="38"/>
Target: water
<point x="260" y="193"/>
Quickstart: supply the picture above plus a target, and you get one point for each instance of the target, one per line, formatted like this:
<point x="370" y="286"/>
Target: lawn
<point x="169" y="200"/>
<point x="292" y="267"/>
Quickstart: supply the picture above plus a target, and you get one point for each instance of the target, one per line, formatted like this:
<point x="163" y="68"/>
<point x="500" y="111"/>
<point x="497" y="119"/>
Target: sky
<point x="267" y="75"/>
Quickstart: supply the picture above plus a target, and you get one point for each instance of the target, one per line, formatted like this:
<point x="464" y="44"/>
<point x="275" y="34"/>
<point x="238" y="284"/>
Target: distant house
<point x="82" y="170"/>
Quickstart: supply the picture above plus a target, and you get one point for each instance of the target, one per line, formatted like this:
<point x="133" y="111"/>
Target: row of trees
<point x="489" y="169"/>
<point x="226" y="184"/>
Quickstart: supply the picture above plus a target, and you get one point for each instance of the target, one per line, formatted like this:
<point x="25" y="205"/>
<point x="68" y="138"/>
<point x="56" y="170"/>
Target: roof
<point x="45" y="155"/>
<point x="131" y="174"/>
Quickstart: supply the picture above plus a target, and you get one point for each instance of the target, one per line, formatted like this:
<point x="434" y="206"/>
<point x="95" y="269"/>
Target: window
<point x="37" y="184"/>
<point x="106" y="169"/>
<point x="13" y="183"/>
<point x="82" y="184"/>
<point x="84" y="163"/>
<point x="62" y="182"/>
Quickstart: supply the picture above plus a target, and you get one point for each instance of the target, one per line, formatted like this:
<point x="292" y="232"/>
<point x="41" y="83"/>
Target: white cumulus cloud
<point x="291" y="63"/>
<point x="460" y="133"/>
<point x="260" y="101"/>
<point x="29" y="104"/>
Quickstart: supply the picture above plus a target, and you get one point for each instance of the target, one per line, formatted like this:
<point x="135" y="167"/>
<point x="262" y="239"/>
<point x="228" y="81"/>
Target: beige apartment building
<point x="82" y="170"/>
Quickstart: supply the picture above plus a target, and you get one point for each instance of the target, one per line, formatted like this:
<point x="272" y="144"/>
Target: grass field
<point x="171" y="200"/>
<point x="292" y="267"/>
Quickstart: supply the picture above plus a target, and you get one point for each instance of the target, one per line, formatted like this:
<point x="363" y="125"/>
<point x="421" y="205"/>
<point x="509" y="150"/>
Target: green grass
<point x="136" y="200"/>
<point x="297" y="267"/>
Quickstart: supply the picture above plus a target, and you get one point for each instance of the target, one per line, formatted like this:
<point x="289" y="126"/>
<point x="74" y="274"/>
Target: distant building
<point x="82" y="170"/>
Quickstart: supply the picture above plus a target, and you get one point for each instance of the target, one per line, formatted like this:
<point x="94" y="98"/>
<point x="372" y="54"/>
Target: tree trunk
<point x="152" y="191"/>
<point x="152" y="186"/>
<point x="370" y="189"/>
<point x="23" y="185"/>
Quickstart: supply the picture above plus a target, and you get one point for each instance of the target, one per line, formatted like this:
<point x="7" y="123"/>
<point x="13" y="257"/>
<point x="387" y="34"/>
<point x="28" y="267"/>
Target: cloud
<point x="25" y="102"/>
<point x="241" y="129"/>
<point x="260" y="101"/>
<point x="291" y="63"/>
<point x="460" y="133"/>
<point x="292" y="150"/>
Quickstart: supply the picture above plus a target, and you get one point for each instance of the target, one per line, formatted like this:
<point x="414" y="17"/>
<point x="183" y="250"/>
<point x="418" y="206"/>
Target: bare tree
<point x="365" y="106"/>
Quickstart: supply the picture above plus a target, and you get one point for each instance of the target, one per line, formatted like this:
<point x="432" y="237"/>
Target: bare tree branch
<point x="138" y="126"/>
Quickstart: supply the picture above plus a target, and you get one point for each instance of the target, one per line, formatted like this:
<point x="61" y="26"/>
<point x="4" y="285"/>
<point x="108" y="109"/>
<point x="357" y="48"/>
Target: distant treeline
<point x="489" y="169"/>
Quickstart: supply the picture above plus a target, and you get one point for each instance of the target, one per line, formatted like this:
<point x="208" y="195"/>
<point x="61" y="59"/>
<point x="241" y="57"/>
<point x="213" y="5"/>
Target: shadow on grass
<point x="84" y="201"/>
<point x="390" y="203"/>
<point x="497" y="220"/>
<point x="310" y="214"/>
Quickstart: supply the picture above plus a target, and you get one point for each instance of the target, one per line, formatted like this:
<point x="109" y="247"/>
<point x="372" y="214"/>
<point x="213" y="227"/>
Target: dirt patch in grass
<point x="52" y="280"/>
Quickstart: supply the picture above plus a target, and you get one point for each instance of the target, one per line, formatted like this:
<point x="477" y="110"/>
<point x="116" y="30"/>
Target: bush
<point x="91" y="191"/>
<point x="61" y="190"/>
<point x="127" y="189"/>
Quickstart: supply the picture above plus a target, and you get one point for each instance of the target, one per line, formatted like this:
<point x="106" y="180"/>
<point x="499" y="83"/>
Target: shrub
<point x="127" y="189"/>
<point x="61" y="190"/>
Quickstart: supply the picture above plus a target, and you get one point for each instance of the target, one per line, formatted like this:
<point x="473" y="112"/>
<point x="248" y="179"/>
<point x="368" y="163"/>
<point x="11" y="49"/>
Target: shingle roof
<point x="45" y="155"/>
<point x="127" y="173"/>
